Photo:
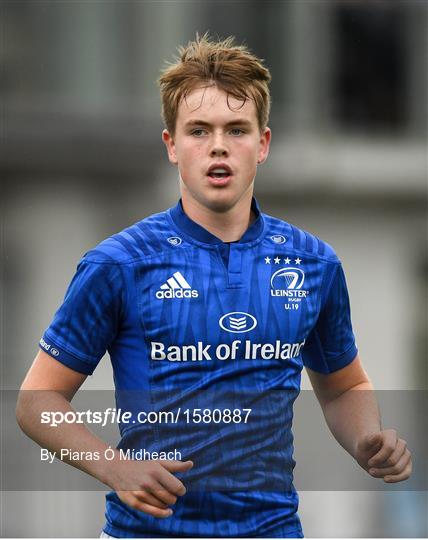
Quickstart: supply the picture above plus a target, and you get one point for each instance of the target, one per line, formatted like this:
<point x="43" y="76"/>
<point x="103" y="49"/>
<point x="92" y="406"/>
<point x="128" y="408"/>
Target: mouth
<point x="219" y="175"/>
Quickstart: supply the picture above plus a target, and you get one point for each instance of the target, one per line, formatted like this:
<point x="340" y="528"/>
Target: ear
<point x="170" y="146"/>
<point x="264" y="145"/>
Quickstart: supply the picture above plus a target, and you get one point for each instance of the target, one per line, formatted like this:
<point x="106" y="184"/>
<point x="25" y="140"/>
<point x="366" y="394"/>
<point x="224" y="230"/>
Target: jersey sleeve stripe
<point x="321" y="248"/>
<point x="127" y="245"/>
<point x="296" y="237"/>
<point x="139" y="241"/>
<point x="309" y="242"/>
<point x="150" y="239"/>
<point x="99" y="255"/>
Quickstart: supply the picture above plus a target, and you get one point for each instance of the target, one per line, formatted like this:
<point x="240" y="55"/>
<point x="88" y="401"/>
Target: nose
<point x="219" y="147"/>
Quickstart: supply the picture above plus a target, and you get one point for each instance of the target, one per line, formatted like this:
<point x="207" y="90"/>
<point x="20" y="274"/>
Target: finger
<point x="396" y="455"/>
<point x="398" y="468"/>
<point x="388" y="446"/>
<point x="371" y="442"/>
<point x="159" y="493"/>
<point x="173" y="465"/>
<point x="391" y="479"/>
<point x="150" y="497"/>
<point x="171" y="483"/>
<point x="133" y="501"/>
<point x="152" y="510"/>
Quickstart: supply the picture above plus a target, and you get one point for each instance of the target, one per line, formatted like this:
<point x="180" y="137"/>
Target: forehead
<point x="211" y="103"/>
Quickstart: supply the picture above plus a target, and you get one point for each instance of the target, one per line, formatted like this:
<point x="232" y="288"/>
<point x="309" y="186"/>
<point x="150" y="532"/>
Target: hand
<point x="150" y="486"/>
<point x="385" y="455"/>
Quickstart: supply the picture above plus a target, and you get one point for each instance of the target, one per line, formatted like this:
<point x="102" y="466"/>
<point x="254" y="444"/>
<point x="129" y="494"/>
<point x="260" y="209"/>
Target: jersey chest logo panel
<point x="190" y="315"/>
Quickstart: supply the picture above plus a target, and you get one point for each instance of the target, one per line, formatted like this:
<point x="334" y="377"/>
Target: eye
<point x="198" y="132"/>
<point x="237" y="131"/>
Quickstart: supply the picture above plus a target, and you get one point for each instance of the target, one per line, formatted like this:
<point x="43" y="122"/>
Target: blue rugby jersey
<point x="192" y="322"/>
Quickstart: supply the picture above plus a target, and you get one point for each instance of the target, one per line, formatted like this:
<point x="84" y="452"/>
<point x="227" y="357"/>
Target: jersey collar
<point x="196" y="231"/>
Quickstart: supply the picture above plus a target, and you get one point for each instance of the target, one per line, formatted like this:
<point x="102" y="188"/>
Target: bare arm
<point x="352" y="414"/>
<point x="50" y="386"/>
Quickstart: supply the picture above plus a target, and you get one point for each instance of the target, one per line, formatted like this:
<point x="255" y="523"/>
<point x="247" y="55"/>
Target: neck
<point x="229" y="226"/>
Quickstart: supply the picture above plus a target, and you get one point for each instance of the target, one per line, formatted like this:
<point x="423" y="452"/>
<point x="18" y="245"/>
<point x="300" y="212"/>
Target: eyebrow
<point x="237" y="122"/>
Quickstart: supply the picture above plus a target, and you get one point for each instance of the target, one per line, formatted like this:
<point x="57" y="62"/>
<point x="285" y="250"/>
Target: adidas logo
<point x="176" y="287"/>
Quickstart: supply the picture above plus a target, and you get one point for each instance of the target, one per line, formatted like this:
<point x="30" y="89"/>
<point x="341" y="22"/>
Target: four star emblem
<point x="287" y="260"/>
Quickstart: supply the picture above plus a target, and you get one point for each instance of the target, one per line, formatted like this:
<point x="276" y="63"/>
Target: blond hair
<point x="232" y="68"/>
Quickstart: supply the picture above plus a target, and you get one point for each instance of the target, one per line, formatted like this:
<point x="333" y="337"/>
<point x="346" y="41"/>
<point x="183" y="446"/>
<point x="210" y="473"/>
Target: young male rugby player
<point x="211" y="295"/>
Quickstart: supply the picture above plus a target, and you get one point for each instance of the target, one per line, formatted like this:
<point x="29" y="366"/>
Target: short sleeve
<point x="331" y="344"/>
<point x="88" y="320"/>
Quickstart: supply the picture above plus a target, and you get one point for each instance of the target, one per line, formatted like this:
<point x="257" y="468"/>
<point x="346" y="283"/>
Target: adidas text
<point x="177" y="293"/>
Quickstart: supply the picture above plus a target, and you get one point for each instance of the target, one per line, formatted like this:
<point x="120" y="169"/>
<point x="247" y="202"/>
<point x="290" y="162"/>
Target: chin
<point x="221" y="201"/>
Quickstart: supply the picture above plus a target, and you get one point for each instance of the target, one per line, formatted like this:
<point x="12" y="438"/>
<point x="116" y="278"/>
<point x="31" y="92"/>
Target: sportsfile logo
<point x="176" y="287"/>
